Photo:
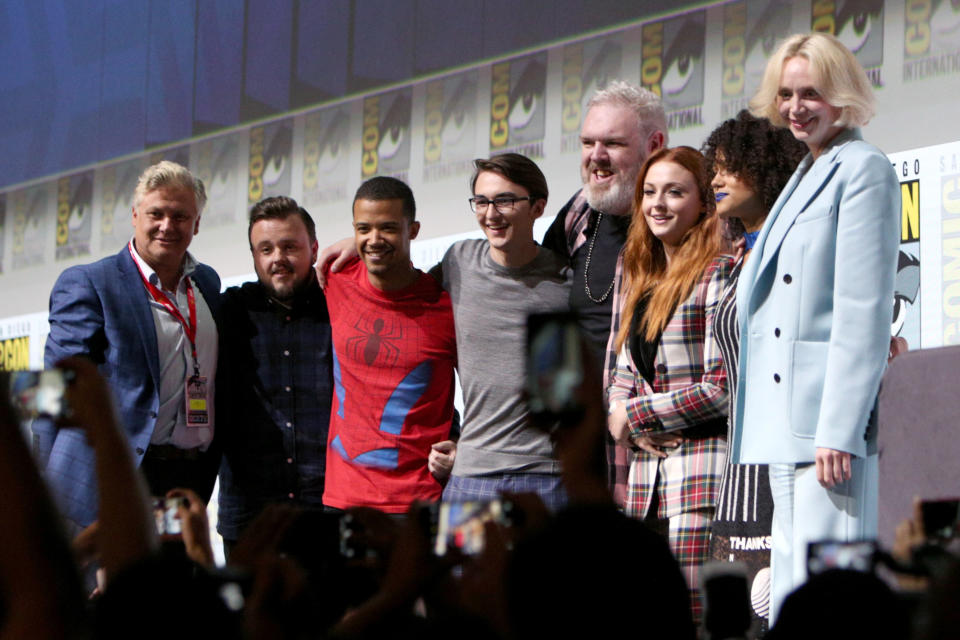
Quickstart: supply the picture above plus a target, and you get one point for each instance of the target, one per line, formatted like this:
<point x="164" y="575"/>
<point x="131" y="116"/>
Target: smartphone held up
<point x="555" y="370"/>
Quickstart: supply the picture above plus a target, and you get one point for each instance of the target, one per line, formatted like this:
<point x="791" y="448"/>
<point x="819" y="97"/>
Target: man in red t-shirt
<point x="394" y="356"/>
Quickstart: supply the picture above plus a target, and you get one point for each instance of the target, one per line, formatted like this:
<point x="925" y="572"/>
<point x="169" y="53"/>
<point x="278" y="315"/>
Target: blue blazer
<point x="815" y="306"/>
<point x="100" y="310"/>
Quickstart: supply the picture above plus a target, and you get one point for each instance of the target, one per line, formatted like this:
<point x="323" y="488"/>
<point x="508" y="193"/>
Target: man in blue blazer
<point x="147" y="317"/>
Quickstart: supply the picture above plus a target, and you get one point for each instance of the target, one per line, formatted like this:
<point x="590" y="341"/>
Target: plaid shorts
<point x="548" y="486"/>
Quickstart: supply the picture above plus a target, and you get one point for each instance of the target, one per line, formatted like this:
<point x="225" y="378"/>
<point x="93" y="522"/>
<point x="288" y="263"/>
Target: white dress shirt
<point x="176" y="359"/>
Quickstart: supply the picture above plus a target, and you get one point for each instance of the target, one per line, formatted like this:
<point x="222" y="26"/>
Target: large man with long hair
<point x="624" y="124"/>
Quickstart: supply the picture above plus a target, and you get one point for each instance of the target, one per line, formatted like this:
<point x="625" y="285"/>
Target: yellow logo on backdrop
<point x="255" y="188"/>
<point x="909" y="211"/>
<point x="951" y="195"/>
<point x="433" y="122"/>
<point x="572" y="87"/>
<point x="108" y="199"/>
<point x="823" y="18"/>
<point x="15" y="354"/>
<point x="500" y="105"/>
<point x="19" y="221"/>
<point x="651" y="68"/>
<point x="916" y="35"/>
<point x="63" y="211"/>
<point x="950" y="237"/>
<point x="371" y="135"/>
<point x="734" y="47"/>
<point x="311" y="151"/>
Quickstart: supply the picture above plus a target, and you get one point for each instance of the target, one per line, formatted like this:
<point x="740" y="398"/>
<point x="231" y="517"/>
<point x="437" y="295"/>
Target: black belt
<point x="170" y="452"/>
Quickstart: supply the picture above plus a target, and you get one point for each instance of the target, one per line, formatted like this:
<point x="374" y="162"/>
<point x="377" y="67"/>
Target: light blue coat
<point x="815" y="304"/>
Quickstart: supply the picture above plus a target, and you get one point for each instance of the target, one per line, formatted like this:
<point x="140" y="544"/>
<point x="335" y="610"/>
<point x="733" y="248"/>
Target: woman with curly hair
<point x="752" y="161"/>
<point x="668" y="398"/>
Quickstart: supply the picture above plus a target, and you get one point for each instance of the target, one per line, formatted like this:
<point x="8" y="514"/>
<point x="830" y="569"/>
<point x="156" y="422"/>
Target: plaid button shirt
<point x="568" y="234"/>
<point x="279" y="396"/>
<point x="689" y="392"/>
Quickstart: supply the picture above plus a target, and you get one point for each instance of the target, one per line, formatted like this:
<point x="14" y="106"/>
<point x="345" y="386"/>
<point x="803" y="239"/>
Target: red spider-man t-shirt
<point x="394" y="356"/>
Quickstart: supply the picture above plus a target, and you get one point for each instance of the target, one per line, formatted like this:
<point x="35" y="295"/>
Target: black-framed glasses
<point x="503" y="204"/>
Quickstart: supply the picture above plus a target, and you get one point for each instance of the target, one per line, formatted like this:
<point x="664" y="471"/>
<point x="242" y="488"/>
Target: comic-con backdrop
<point x="315" y="130"/>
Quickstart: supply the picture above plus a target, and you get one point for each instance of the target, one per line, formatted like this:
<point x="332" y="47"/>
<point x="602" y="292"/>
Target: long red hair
<point x="645" y="263"/>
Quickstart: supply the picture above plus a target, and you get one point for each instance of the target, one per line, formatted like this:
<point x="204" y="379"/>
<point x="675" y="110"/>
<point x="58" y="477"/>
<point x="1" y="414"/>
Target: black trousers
<point x="164" y="472"/>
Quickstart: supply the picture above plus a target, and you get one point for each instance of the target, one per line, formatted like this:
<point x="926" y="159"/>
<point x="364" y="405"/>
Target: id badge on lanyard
<point x="195" y="390"/>
<point x="196" y="395"/>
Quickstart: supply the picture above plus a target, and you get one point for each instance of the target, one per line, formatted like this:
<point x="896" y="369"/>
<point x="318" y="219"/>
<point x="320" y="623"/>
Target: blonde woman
<point x="814" y="309"/>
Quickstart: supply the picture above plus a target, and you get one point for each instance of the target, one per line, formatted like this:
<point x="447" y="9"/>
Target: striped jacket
<point x="689" y="395"/>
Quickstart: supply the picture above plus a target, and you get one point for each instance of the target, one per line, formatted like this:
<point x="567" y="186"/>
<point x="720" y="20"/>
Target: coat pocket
<point x="806" y="386"/>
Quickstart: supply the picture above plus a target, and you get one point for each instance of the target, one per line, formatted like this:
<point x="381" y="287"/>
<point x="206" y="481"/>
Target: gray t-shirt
<point x="490" y="308"/>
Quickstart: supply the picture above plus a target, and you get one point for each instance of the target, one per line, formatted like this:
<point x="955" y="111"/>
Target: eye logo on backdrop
<point x="29" y="226"/>
<point x="386" y="134"/>
<point x="750" y="36"/>
<point x="116" y="184"/>
<point x="858" y="24"/>
<point x="931" y="39"/>
<point x="672" y="66"/>
<point x="449" y="126"/>
<point x="517" y="109"/>
<point x="270" y="162"/>
<point x="587" y="67"/>
<point x="325" y="153"/>
<point x="74" y="219"/>
<point x="216" y="162"/>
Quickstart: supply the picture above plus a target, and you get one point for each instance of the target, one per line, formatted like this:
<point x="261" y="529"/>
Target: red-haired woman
<point x="668" y="393"/>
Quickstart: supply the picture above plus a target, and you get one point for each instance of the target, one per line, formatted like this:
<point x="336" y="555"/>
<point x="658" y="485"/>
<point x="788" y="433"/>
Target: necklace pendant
<point x="586" y="267"/>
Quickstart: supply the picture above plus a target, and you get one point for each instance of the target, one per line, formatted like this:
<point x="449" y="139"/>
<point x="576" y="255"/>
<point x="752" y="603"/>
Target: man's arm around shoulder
<point x="555" y="237"/>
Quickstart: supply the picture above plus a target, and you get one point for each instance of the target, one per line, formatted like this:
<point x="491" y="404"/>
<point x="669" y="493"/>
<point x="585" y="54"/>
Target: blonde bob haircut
<point x="837" y="74"/>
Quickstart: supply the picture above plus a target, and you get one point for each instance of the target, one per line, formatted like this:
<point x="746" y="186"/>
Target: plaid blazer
<point x="688" y="395"/>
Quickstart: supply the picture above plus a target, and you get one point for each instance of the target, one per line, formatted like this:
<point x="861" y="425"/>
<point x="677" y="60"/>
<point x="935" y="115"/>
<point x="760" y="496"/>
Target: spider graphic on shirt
<point x="374" y="337"/>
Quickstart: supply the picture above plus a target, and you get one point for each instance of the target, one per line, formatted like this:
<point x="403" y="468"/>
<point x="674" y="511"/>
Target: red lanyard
<point x="189" y="327"/>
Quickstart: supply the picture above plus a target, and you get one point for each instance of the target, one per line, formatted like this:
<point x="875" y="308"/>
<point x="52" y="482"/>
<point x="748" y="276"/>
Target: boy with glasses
<point x="494" y="284"/>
